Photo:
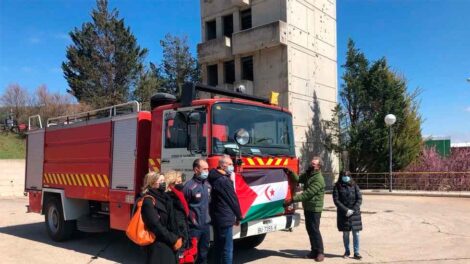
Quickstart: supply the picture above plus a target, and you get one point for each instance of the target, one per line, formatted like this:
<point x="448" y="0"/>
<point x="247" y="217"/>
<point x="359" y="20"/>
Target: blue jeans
<point x="203" y="238"/>
<point x="355" y="241"/>
<point x="223" y="238"/>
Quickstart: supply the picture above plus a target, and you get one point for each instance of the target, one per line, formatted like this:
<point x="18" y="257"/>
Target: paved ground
<point x="397" y="230"/>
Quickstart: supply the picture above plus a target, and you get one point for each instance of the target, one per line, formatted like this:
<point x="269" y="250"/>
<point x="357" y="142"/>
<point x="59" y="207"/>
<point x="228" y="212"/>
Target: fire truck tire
<point x="57" y="228"/>
<point x="251" y="241"/>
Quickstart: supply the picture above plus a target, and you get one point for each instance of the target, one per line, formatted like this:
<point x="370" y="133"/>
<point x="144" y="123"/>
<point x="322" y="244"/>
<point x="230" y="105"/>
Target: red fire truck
<point x="84" y="171"/>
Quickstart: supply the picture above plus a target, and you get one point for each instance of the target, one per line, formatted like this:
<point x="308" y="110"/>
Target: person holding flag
<point x="312" y="201"/>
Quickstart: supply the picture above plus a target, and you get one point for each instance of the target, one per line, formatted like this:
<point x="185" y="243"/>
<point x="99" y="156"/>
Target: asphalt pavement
<point x="397" y="229"/>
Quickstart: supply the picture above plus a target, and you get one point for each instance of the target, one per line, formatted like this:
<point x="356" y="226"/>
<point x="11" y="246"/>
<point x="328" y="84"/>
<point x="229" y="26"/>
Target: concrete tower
<point x="287" y="46"/>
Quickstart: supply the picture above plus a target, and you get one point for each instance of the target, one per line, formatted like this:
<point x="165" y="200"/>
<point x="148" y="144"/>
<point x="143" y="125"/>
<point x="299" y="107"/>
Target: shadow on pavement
<point x="113" y="246"/>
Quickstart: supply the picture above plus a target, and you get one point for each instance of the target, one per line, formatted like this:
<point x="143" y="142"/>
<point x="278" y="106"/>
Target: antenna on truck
<point x="189" y="93"/>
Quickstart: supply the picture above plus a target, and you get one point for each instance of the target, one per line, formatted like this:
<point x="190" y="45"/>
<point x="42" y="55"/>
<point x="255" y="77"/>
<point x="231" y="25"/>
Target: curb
<point x="410" y="193"/>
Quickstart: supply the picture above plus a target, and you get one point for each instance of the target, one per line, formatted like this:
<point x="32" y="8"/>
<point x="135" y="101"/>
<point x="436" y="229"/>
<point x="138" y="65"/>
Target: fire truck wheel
<point x="57" y="228"/>
<point x="251" y="241"/>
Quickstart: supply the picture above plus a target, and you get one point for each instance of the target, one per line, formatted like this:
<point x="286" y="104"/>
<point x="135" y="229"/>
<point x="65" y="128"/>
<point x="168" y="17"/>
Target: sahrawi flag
<point x="261" y="193"/>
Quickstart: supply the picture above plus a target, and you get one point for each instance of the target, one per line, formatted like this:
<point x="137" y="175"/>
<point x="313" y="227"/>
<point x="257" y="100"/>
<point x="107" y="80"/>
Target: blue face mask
<point x="229" y="169"/>
<point x="204" y="175"/>
<point x="346" y="178"/>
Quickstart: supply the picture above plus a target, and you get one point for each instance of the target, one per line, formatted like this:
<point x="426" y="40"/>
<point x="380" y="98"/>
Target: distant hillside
<point x="12" y="146"/>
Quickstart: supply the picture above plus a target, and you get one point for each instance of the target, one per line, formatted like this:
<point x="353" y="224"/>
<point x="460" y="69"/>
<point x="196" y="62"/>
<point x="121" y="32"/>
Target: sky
<point x="427" y="41"/>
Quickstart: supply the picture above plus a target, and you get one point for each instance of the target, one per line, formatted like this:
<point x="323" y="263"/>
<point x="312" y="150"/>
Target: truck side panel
<point x="78" y="159"/>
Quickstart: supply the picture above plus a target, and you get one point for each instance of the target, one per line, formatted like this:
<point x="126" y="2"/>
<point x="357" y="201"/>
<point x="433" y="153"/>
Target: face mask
<point x="162" y="186"/>
<point x="346" y="178"/>
<point x="229" y="169"/>
<point x="179" y="186"/>
<point x="204" y="175"/>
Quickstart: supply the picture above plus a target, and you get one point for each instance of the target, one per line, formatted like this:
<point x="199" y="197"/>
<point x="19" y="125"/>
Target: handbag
<point x="136" y="230"/>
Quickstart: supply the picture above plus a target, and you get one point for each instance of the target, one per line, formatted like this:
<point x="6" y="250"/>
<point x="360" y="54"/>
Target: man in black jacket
<point x="224" y="208"/>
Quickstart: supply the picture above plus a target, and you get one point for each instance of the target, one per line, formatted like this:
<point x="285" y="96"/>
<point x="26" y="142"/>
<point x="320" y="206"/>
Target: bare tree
<point x="16" y="98"/>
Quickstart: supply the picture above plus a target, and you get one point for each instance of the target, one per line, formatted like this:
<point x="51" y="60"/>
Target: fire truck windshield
<point x="270" y="131"/>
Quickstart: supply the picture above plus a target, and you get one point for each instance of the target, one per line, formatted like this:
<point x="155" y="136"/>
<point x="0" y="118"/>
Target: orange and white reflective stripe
<point x="75" y="179"/>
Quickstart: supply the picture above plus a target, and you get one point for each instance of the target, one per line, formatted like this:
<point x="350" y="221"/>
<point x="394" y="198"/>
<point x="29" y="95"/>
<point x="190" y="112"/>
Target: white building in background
<point x="288" y="46"/>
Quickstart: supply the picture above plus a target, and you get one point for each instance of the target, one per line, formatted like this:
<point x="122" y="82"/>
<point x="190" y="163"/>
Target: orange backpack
<point x="136" y="230"/>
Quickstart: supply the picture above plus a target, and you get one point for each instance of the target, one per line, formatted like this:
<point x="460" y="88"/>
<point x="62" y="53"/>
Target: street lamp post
<point x="390" y="119"/>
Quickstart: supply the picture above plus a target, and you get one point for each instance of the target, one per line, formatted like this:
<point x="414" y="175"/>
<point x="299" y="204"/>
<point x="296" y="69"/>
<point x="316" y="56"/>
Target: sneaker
<point x="320" y="258"/>
<point x="357" y="256"/>
<point x="346" y="254"/>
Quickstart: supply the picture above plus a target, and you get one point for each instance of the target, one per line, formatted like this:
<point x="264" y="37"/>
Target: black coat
<point x="159" y="219"/>
<point x="224" y="207"/>
<point x="348" y="196"/>
<point x="182" y="228"/>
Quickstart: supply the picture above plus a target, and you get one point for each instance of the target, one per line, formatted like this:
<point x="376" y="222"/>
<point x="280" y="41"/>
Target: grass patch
<point x="12" y="146"/>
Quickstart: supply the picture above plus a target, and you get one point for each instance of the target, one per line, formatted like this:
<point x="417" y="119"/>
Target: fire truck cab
<point x="84" y="171"/>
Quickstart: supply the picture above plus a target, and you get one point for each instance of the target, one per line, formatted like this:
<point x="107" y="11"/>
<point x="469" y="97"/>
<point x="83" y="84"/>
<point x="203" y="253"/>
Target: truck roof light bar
<point x="189" y="93"/>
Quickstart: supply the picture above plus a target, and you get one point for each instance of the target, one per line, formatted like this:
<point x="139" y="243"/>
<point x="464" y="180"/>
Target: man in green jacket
<point x="312" y="201"/>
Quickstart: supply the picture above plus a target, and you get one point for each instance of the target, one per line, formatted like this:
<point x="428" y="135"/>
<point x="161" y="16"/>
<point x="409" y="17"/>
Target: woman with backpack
<point x="158" y="215"/>
<point x="348" y="199"/>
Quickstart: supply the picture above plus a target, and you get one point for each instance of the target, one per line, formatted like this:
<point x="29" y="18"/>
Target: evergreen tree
<point x="178" y="65"/>
<point x="150" y="82"/>
<point x="104" y="62"/>
<point x="369" y="92"/>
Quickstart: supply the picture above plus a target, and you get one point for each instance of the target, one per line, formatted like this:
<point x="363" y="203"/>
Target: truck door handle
<point x="165" y="161"/>
<point x="122" y="187"/>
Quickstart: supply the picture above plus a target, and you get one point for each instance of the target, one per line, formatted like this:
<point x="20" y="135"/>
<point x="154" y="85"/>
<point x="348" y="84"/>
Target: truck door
<point x="34" y="160"/>
<point x="175" y="138"/>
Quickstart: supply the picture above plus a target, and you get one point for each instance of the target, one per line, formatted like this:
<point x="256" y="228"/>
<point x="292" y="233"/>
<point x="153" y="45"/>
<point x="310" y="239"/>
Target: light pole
<point x="390" y="119"/>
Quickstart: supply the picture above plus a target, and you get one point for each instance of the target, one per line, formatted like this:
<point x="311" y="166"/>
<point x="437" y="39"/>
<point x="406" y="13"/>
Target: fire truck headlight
<point x="242" y="136"/>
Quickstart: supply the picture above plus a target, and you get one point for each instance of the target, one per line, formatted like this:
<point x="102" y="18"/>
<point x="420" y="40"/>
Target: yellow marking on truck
<point x="278" y="161"/>
<point x="260" y="161"/>
<point x="48" y="178"/>
<point x="105" y="177"/>
<point x="84" y="180"/>
<point x="286" y="162"/>
<point x="59" y="180"/>
<point x="77" y="177"/>
<point x="100" y="180"/>
<point x="64" y="178"/>
<point x="73" y="180"/>
<point x="252" y="163"/>
<point x="52" y="178"/>
<point x="89" y="181"/>
<point x="67" y="176"/>
<point x="94" y="180"/>
<point x="269" y="161"/>
<point x="152" y="163"/>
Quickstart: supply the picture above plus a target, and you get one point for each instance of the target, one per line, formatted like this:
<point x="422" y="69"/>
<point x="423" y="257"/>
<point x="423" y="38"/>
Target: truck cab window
<point x="176" y="134"/>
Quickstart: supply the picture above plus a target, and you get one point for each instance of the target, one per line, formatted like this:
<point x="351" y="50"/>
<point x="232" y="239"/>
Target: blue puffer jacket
<point x="224" y="206"/>
<point x="197" y="193"/>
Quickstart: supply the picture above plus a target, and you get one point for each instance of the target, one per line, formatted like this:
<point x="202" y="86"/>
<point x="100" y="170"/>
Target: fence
<point x="419" y="181"/>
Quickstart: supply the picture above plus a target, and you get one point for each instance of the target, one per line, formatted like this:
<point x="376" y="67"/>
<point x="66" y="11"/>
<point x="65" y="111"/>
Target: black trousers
<point x="312" y="223"/>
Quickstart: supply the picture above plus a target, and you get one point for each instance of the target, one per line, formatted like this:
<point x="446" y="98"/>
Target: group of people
<point x="180" y="215"/>
<point x="346" y="196"/>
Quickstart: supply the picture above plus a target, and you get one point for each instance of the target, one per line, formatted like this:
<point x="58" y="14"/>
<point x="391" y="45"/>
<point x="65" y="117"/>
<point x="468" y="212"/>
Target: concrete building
<point x="288" y="46"/>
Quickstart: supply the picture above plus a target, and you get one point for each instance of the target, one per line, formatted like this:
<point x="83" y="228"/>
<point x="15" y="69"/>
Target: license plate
<point x="267" y="228"/>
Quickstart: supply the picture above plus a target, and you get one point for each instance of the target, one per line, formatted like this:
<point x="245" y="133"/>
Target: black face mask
<point x="162" y="187"/>
<point x="179" y="186"/>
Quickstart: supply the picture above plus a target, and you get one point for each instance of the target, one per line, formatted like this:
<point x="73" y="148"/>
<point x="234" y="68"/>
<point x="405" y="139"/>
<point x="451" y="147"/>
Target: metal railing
<point x="416" y="181"/>
<point x="107" y="112"/>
